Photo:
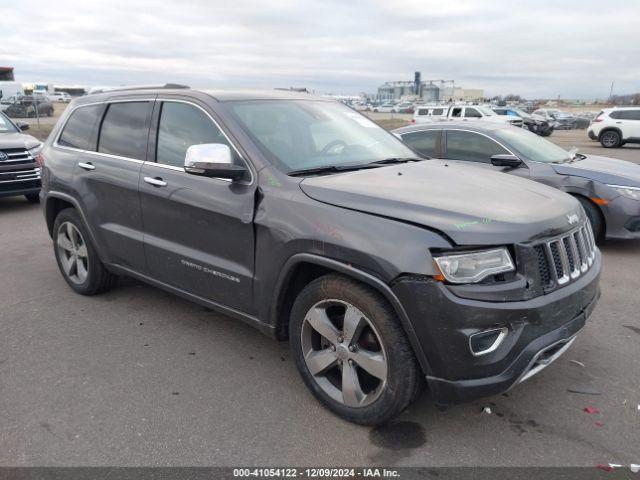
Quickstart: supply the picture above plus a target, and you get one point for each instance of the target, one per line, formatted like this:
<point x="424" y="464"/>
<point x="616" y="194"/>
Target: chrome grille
<point x="17" y="156"/>
<point x="566" y="257"/>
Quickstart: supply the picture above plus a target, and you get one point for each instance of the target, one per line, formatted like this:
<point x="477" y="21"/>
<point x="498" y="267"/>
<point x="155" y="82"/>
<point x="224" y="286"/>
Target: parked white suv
<point x="613" y="127"/>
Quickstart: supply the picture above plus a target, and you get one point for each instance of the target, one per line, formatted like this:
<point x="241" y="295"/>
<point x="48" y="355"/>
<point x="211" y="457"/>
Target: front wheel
<point x="595" y="218"/>
<point x="351" y="351"/>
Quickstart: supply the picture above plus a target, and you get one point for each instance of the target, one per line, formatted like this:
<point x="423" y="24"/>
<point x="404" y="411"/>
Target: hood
<point x="473" y="206"/>
<point x="602" y="169"/>
<point x="17" y="140"/>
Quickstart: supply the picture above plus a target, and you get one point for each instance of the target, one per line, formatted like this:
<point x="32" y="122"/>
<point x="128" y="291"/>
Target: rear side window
<point x="626" y="114"/>
<point x="471" y="147"/>
<point x="78" y="132"/>
<point x="472" y="113"/>
<point x="124" y="130"/>
<point x="457" y="112"/>
<point x="423" y="111"/>
<point x="437" y="111"/>
<point x="425" y="142"/>
<point x="182" y="125"/>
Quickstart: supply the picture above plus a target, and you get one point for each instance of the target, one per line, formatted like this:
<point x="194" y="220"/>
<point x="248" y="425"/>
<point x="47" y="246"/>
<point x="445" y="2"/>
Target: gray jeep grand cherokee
<point x="306" y="220"/>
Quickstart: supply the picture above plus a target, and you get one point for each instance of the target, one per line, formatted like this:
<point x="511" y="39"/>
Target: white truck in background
<point x="427" y="114"/>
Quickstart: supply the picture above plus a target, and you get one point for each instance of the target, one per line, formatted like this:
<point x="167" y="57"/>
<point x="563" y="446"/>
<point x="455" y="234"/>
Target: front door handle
<point x="87" y="165"/>
<point x="156" y="182"/>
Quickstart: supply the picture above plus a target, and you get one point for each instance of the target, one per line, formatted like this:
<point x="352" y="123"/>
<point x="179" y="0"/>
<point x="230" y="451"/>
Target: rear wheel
<point x="76" y="256"/>
<point x="610" y="139"/>
<point x="595" y="218"/>
<point x="351" y="351"/>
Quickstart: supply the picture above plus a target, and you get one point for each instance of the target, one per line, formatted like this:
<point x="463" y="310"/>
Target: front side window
<point x="78" y="132"/>
<point x="304" y="134"/>
<point x="424" y="142"/>
<point x="124" y="130"/>
<point x="182" y="125"/>
<point x="471" y="147"/>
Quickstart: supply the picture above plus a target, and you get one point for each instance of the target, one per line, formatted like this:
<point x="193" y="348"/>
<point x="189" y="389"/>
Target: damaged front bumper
<point x="538" y="330"/>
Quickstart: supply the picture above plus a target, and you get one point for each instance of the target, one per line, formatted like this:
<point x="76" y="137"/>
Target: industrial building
<point x="428" y="91"/>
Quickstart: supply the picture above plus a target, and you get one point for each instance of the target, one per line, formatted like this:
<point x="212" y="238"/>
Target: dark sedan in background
<point x="534" y="123"/>
<point x="608" y="189"/>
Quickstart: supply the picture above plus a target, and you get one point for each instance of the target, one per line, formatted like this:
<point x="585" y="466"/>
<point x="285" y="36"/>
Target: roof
<point x="219" y="95"/>
<point x="477" y="126"/>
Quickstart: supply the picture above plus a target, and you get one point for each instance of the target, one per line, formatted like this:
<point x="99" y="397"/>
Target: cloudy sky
<point x="534" y="48"/>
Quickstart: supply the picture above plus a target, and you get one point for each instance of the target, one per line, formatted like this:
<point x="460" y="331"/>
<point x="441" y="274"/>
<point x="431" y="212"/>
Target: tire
<point x="33" y="198"/>
<point x="378" y="340"/>
<point x="546" y="133"/>
<point x="50" y="112"/>
<point x="610" y="139"/>
<point x="595" y="218"/>
<point x="89" y="276"/>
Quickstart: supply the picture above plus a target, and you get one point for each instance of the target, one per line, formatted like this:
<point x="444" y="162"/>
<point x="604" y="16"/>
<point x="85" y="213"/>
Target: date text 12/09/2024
<point x="315" y="473"/>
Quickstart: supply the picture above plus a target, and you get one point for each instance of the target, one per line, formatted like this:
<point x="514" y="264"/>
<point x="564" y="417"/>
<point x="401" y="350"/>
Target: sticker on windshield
<point x="364" y="121"/>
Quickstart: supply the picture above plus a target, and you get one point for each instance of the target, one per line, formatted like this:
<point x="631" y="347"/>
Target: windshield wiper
<point x="330" y="169"/>
<point x="391" y="160"/>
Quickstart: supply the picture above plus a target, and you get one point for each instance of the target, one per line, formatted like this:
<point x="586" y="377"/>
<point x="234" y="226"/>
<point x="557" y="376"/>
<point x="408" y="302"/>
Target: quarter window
<point x="425" y="142"/>
<point x="183" y="125"/>
<point x="124" y="130"/>
<point x="78" y="132"/>
<point x="472" y="147"/>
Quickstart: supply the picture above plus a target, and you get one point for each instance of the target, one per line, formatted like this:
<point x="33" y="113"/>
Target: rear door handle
<point x="87" y="165"/>
<point x="156" y="182"/>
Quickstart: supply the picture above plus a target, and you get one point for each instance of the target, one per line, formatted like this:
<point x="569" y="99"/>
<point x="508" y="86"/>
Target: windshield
<point x="6" y="126"/>
<point x="307" y="134"/>
<point x="532" y="146"/>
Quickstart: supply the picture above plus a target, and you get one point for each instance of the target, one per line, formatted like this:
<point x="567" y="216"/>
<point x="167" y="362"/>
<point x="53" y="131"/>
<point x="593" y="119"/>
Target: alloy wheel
<point x="73" y="254"/>
<point x="343" y="352"/>
<point x="609" y="139"/>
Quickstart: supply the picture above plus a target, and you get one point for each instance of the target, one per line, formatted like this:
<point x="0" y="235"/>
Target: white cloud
<point x="542" y="48"/>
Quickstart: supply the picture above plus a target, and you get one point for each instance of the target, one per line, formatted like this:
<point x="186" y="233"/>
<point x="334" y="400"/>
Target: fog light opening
<point x="482" y="343"/>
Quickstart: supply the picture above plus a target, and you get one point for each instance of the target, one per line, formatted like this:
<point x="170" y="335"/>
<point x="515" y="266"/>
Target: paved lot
<point x="139" y="377"/>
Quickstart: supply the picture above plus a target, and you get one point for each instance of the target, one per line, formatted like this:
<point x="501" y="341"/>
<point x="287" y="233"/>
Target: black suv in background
<point x="19" y="170"/>
<point x="303" y="218"/>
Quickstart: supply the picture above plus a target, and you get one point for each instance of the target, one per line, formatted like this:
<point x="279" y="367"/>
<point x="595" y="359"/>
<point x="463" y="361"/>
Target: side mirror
<point x="22" y="126"/>
<point x="212" y="160"/>
<point x="510" y="161"/>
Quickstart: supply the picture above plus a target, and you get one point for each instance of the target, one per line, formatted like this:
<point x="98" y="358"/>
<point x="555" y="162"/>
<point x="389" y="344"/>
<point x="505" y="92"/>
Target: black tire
<point x="32" y="197"/>
<point x="403" y="375"/>
<point x="98" y="278"/>
<point x="50" y="112"/>
<point x="546" y="133"/>
<point x="595" y="218"/>
<point x="610" y="139"/>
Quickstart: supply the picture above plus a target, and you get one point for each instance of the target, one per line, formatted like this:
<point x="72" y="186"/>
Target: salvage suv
<point x="303" y="218"/>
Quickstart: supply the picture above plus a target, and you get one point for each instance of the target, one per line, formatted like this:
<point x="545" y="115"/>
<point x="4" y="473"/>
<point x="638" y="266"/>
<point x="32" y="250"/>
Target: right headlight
<point x="473" y="267"/>
<point x="630" y="192"/>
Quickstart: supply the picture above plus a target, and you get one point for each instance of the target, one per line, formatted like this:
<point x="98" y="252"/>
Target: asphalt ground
<point x="137" y="376"/>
